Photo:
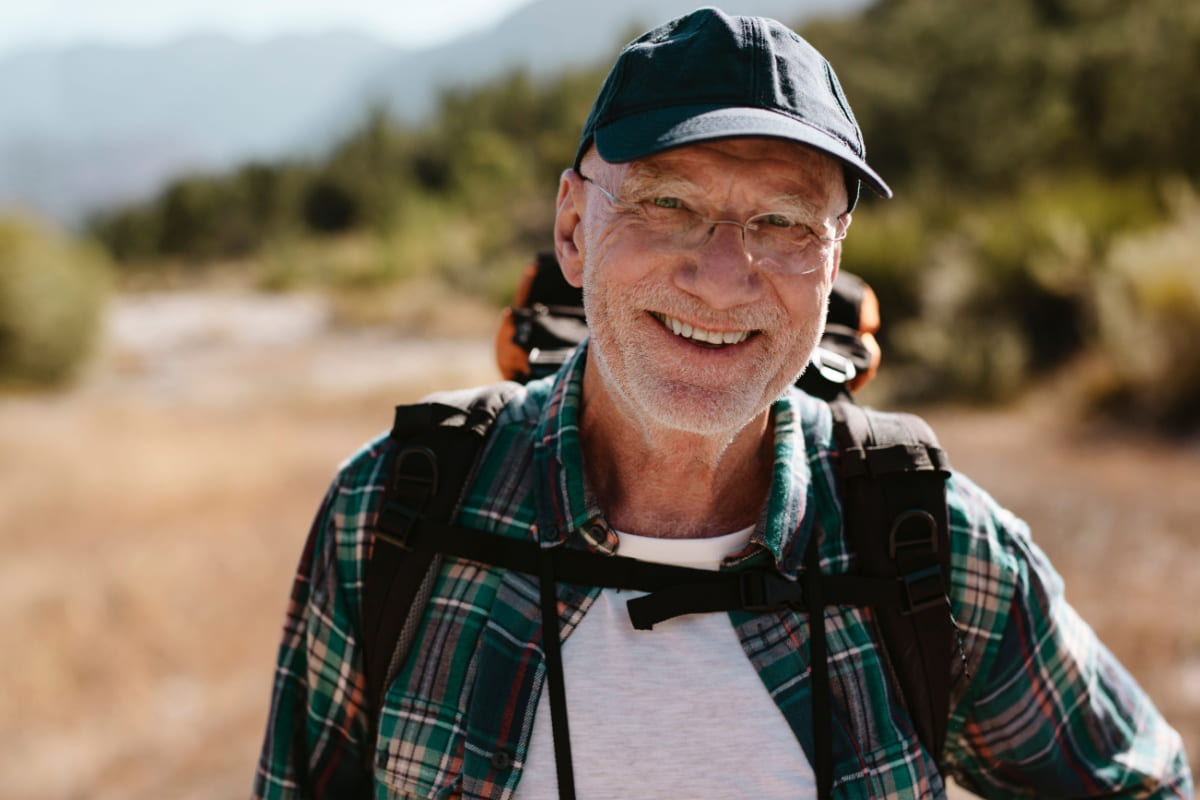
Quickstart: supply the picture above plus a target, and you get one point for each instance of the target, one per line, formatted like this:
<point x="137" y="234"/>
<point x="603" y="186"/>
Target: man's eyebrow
<point x="650" y="179"/>
<point x="796" y="202"/>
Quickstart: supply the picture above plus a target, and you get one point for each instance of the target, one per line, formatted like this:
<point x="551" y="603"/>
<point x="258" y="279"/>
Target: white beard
<point x="705" y="400"/>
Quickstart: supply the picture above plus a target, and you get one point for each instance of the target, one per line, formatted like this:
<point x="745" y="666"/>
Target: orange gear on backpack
<point x="868" y="326"/>
<point x="511" y="358"/>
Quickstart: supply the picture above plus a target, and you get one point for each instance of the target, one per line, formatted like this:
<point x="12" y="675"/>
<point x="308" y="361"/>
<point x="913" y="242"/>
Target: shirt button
<point x="501" y="759"/>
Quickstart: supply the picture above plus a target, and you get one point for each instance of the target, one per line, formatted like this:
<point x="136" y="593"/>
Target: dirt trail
<point x="150" y="521"/>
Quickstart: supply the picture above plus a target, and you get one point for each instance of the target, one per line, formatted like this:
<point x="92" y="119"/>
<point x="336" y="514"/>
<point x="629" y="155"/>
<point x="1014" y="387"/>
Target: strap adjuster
<point x="396" y="524"/>
<point x="413" y="483"/>
<point x="922" y="589"/>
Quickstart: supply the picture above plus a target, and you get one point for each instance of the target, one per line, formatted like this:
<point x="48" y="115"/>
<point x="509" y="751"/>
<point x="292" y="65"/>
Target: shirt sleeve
<point x="313" y="746"/>
<point x="1050" y="712"/>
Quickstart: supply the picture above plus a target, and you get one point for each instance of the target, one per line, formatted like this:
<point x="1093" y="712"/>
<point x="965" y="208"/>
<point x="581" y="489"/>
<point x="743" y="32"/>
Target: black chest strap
<point x="673" y="590"/>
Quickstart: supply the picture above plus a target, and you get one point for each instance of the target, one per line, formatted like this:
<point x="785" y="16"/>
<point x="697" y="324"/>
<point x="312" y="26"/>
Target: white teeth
<point x="680" y="328"/>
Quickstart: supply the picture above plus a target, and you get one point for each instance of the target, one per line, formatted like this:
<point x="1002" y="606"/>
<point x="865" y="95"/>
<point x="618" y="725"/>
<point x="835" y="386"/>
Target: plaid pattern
<point x="1046" y="711"/>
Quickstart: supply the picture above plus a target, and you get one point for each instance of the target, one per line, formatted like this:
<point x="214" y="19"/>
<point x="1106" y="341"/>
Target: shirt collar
<point x="569" y="513"/>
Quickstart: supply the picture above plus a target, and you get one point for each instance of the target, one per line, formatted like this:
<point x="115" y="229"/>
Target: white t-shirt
<point x="674" y="712"/>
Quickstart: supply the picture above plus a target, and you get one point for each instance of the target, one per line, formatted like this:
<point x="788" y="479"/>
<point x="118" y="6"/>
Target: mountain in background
<point x="85" y="127"/>
<point x="93" y="125"/>
<point x="547" y="36"/>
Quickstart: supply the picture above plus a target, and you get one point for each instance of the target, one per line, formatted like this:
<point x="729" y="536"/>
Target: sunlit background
<point x="232" y="235"/>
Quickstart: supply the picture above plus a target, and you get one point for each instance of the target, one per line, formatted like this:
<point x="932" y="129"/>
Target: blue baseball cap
<point x="707" y="75"/>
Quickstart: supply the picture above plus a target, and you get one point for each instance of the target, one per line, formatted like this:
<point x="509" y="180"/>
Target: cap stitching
<point x="835" y="89"/>
<point x="751" y="30"/>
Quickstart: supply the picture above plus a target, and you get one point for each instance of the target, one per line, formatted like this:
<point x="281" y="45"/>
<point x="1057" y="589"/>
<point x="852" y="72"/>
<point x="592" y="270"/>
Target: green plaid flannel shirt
<point x="1046" y="712"/>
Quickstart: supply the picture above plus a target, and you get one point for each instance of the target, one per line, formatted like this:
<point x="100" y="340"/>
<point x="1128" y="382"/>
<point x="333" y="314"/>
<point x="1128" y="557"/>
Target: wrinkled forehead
<point x="773" y="169"/>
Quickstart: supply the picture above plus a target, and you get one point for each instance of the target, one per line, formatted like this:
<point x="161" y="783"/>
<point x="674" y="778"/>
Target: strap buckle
<point x="915" y="528"/>
<point x="915" y="534"/>
<point x="761" y="591"/>
<point x="554" y="357"/>
<point x="834" y="367"/>
<point x="412" y="483"/>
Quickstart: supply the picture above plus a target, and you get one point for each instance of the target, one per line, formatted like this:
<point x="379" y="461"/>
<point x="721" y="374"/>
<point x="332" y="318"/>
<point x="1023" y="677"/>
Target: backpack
<point x="543" y="324"/>
<point x="891" y="476"/>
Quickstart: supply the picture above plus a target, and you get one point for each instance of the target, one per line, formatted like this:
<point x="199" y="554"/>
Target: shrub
<point x="981" y="294"/>
<point x="52" y="296"/>
<point x="1149" y="314"/>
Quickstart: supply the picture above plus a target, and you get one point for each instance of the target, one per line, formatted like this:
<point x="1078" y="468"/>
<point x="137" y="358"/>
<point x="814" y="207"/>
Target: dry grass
<point x="150" y="523"/>
<point x="147" y="551"/>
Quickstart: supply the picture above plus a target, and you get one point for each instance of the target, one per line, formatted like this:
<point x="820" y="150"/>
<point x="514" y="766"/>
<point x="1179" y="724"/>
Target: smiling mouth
<point x="701" y="336"/>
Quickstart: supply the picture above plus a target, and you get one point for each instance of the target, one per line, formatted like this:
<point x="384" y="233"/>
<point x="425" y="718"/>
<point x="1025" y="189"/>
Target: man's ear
<point x="837" y="253"/>
<point x="568" y="229"/>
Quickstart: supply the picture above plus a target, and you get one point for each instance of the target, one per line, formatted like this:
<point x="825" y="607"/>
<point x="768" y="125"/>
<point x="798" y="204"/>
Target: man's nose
<point x="721" y="271"/>
<point x="725" y="234"/>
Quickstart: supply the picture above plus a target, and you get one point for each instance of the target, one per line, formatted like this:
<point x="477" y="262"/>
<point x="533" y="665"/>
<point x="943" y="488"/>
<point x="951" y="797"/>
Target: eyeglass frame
<point x="748" y="225"/>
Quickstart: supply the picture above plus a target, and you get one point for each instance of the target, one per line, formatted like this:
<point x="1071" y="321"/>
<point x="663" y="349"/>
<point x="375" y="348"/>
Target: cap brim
<point x="650" y="132"/>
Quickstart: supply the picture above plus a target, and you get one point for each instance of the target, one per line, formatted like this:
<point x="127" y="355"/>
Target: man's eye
<point x="778" y="221"/>
<point x="667" y="202"/>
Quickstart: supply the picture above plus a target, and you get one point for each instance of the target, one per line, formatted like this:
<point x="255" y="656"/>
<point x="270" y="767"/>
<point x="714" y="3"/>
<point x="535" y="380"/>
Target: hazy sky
<point x="409" y="22"/>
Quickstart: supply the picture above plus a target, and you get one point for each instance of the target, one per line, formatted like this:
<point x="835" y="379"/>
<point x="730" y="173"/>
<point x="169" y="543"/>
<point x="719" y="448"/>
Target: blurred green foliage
<point x="982" y="297"/>
<point x="455" y="195"/>
<point x="1150" y="322"/>
<point x="52" y="294"/>
<point x="1029" y="143"/>
<point x="982" y="96"/>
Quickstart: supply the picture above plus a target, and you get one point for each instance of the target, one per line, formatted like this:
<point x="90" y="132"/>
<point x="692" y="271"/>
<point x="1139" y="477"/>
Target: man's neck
<point x="674" y="484"/>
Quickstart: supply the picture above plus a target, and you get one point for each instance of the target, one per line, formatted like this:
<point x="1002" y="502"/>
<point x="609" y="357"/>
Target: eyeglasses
<point x="778" y="239"/>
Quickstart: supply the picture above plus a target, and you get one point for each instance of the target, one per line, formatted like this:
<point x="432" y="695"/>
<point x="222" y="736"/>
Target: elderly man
<point x="703" y="219"/>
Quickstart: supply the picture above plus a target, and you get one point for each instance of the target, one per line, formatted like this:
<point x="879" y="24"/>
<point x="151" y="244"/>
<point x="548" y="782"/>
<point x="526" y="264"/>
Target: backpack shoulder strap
<point x="433" y="449"/>
<point x="892" y="476"/>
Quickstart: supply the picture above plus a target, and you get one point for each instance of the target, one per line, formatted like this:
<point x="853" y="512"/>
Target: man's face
<point x="703" y="338"/>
